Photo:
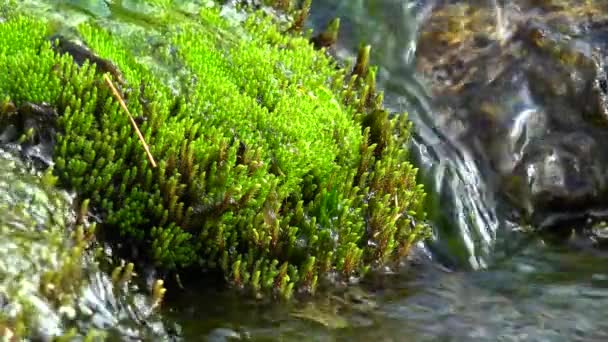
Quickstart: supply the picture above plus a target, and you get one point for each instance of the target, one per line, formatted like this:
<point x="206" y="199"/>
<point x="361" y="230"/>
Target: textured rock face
<point x="33" y="244"/>
<point x="528" y="96"/>
<point x="50" y="286"/>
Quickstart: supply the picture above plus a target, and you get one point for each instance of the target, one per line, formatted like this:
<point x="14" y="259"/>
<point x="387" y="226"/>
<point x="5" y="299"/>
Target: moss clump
<point x="274" y="165"/>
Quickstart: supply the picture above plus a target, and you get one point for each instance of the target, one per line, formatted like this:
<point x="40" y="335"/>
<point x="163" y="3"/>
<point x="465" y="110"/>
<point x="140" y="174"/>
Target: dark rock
<point x="81" y="54"/>
<point x="532" y="107"/>
<point x="30" y="129"/>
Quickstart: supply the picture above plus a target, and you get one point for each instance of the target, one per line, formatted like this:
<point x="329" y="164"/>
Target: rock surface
<point x="50" y="286"/>
<point x="527" y="94"/>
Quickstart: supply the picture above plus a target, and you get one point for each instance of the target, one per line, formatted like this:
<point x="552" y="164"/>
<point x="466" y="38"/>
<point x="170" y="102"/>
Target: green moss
<point x="274" y="166"/>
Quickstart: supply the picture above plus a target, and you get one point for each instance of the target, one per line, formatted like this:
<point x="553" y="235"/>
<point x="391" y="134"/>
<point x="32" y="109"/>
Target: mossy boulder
<point x="34" y="251"/>
<point x="50" y="284"/>
<point x="274" y="165"/>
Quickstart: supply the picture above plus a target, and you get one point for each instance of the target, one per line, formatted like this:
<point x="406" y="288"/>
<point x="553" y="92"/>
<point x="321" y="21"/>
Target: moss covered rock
<point x="36" y="257"/>
<point x="274" y="165"/>
<point x="50" y="285"/>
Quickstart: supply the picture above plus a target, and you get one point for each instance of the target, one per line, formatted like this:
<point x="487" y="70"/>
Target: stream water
<point x="483" y="277"/>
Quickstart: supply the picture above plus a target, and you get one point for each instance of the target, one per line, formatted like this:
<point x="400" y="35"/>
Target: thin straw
<point x="133" y="123"/>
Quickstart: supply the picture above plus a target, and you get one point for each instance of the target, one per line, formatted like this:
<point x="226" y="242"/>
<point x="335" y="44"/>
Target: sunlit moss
<point x="274" y="165"/>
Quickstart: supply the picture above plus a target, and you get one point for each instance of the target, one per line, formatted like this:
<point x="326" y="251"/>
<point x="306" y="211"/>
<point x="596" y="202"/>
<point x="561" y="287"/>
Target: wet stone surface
<point x="527" y="94"/>
<point x="46" y="281"/>
<point x="29" y="130"/>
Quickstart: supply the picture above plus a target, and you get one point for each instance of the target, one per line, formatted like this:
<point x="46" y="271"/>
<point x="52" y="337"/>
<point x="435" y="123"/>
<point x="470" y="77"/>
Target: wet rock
<point x="50" y="287"/>
<point x="40" y="119"/>
<point x="81" y="54"/>
<point x="29" y="129"/>
<point x="559" y="174"/>
<point x="530" y="102"/>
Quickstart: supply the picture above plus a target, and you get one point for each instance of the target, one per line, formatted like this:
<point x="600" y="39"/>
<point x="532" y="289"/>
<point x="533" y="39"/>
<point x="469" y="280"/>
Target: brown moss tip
<point x="300" y="16"/>
<point x="329" y="36"/>
<point x="362" y="64"/>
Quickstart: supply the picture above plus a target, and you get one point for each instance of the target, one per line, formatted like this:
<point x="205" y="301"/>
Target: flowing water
<point x="483" y="276"/>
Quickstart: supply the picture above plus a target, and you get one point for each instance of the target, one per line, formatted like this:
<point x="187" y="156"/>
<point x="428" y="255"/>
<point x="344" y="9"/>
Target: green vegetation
<point x="275" y="166"/>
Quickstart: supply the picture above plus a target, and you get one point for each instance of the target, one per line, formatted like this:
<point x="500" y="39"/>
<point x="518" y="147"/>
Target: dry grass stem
<point x="133" y="123"/>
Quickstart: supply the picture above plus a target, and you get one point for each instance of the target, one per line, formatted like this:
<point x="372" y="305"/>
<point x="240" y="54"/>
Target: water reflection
<point x="541" y="293"/>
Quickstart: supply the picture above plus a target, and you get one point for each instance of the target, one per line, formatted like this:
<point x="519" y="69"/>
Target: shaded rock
<point x="530" y="102"/>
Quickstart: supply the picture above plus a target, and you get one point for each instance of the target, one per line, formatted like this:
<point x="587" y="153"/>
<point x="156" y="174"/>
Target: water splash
<point x="460" y="206"/>
<point x="461" y="209"/>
